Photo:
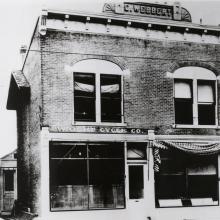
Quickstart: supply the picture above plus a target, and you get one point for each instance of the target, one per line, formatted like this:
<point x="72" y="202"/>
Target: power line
<point x="125" y="56"/>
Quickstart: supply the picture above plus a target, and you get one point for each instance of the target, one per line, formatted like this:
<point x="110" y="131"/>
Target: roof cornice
<point x="130" y="18"/>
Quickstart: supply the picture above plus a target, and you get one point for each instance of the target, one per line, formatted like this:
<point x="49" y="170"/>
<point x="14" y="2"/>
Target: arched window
<point x="195" y="96"/>
<point x="97" y="91"/>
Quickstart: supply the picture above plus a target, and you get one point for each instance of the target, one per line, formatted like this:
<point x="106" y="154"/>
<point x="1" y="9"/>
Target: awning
<point x="199" y="149"/>
<point x="189" y="147"/>
<point x="19" y="90"/>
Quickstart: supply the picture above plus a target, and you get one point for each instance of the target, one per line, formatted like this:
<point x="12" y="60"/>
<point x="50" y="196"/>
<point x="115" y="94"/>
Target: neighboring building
<point x="8" y="182"/>
<point x="118" y="115"/>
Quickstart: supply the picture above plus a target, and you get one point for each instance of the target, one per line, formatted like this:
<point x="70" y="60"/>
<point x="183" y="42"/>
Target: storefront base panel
<point x="196" y="213"/>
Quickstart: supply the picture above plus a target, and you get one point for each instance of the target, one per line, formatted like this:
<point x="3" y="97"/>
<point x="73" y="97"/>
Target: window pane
<point x="106" y="176"/>
<point x="183" y="111"/>
<point x="136" y="182"/>
<point x="206" y="114"/>
<point x="9" y="180"/>
<point x="136" y="151"/>
<point x="203" y="186"/>
<point x="106" y="183"/>
<point x="84" y="97"/>
<point x="110" y="98"/>
<point x="188" y="180"/>
<point x="170" y="186"/>
<point x="182" y="89"/>
<point x="86" y="177"/>
<point x="68" y="177"/>
<point x="69" y="189"/>
<point x="107" y="150"/>
<point x="206" y="92"/>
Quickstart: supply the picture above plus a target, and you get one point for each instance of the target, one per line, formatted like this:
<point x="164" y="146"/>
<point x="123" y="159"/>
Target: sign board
<point x="152" y="10"/>
<point x="100" y="130"/>
<point x="162" y="11"/>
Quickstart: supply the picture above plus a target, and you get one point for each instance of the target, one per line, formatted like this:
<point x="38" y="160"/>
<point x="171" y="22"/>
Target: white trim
<point x="195" y="126"/>
<point x="83" y="137"/>
<point x="100" y="123"/>
<point x="194" y="72"/>
<point x="97" y="66"/>
<point x="97" y="98"/>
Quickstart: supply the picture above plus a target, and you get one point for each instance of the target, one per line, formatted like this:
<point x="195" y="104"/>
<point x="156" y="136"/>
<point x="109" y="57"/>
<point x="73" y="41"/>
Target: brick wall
<point x="148" y="98"/>
<point x="28" y="123"/>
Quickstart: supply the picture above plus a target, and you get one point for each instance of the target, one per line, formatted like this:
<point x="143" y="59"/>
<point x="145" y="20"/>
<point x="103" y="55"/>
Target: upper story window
<point x="97" y="92"/>
<point x="195" y="96"/>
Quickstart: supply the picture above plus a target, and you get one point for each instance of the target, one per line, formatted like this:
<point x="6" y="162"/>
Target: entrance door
<point x="9" y="187"/>
<point x="137" y="191"/>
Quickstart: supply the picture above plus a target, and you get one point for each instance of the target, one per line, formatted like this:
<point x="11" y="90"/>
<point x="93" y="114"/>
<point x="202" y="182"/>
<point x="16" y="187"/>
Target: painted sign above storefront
<point x="171" y="12"/>
<point x="100" y="130"/>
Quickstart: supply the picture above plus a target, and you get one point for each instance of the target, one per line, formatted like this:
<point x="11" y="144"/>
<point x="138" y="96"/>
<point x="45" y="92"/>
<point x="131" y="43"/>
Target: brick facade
<point x="148" y="98"/>
<point x="151" y="103"/>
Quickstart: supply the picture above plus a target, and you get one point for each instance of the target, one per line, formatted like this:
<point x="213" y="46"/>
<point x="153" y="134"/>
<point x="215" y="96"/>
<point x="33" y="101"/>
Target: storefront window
<point x="86" y="176"/>
<point x="185" y="180"/>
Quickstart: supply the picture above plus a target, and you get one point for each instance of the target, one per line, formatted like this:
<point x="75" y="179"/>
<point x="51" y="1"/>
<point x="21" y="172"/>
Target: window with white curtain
<point x="195" y="96"/>
<point x="97" y="91"/>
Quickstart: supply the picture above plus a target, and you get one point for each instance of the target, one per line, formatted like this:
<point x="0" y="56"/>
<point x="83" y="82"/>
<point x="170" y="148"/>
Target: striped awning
<point x="189" y="147"/>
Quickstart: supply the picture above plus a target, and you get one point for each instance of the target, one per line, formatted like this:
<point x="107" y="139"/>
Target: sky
<point x="17" y="21"/>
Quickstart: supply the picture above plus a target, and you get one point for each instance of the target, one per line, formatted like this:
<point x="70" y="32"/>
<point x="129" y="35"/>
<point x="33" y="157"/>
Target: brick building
<point x="118" y="115"/>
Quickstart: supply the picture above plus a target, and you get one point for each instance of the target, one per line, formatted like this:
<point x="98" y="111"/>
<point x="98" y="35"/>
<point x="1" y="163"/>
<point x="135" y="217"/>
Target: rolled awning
<point x="189" y="147"/>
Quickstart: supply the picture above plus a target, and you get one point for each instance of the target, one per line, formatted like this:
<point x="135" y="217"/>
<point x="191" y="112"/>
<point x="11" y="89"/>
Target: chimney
<point x="23" y="50"/>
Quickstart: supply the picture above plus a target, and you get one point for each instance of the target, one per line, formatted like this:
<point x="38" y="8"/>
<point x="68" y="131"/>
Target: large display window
<point x="186" y="180"/>
<point x="86" y="176"/>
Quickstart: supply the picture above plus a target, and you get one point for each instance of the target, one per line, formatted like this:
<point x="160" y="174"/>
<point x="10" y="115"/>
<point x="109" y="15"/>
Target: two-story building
<point x="118" y="115"/>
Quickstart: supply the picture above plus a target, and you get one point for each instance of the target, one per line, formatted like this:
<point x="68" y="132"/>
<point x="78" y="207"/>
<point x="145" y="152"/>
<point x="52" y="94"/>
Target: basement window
<point x="86" y="176"/>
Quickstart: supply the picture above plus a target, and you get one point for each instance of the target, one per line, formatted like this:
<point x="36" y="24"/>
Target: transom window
<point x="97" y="92"/>
<point x="185" y="180"/>
<point x="195" y="96"/>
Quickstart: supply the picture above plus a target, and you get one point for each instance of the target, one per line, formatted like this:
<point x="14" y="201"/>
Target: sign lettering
<point x="100" y="129"/>
<point x="147" y="9"/>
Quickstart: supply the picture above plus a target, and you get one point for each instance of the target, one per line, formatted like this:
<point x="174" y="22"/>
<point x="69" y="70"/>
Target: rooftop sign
<point x="171" y="12"/>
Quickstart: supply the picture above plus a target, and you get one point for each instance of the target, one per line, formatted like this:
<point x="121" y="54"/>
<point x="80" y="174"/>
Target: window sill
<point x="123" y="124"/>
<point x="195" y="126"/>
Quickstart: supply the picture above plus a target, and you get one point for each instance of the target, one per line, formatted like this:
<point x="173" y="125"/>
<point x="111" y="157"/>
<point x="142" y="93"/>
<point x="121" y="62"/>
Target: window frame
<point x="185" y="173"/>
<point x="195" y="77"/>
<point x="97" y="74"/>
<point x="87" y="159"/>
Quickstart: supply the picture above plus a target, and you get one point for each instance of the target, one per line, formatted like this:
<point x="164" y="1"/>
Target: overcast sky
<point x="17" y="20"/>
